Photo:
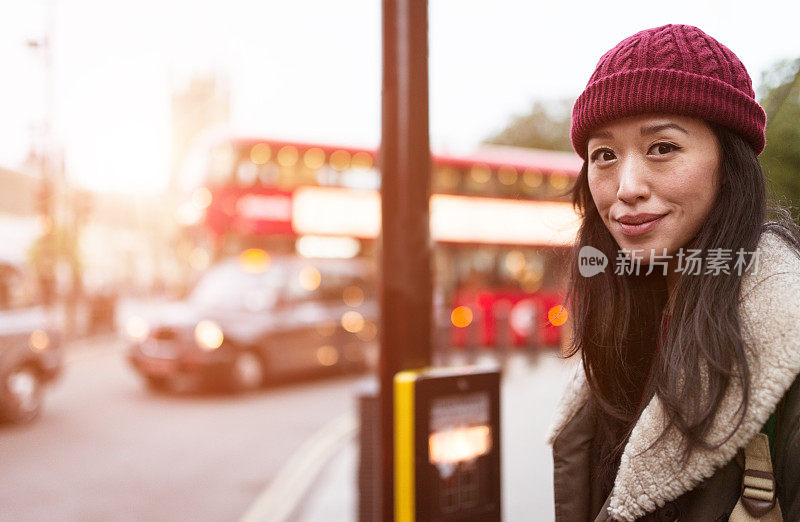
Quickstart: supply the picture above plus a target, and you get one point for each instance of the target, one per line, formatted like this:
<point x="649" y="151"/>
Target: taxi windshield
<point x="230" y="287"/>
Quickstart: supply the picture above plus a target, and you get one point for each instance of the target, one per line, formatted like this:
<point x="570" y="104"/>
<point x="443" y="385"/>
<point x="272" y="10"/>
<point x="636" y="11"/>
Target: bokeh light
<point x="208" y="335"/>
<point x="531" y="281"/>
<point x="353" y="296"/>
<point x="559" y="180"/>
<point x="369" y="332"/>
<point x="480" y="174"/>
<point x="287" y="156"/>
<point x="137" y="328"/>
<point x="446" y="177"/>
<point x="340" y="159"/>
<point x="507" y="175"/>
<point x="254" y="260"/>
<point x="532" y="177"/>
<point x="260" y="153"/>
<point x="461" y="316"/>
<point x="327" y="355"/>
<point x="362" y="160"/>
<point x="314" y="158"/>
<point x="557" y="315"/>
<point x="310" y="278"/>
<point x="352" y="321"/>
<point x="515" y="261"/>
<point x="39" y="340"/>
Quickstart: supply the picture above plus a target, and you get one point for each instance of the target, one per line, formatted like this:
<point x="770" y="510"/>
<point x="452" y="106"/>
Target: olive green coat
<point x="650" y="483"/>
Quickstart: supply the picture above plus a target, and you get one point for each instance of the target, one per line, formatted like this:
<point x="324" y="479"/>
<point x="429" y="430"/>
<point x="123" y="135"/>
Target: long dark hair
<point x="617" y="318"/>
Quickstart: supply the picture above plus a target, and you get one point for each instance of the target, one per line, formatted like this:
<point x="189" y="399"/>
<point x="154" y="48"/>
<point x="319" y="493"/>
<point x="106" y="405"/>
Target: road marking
<point x="286" y="490"/>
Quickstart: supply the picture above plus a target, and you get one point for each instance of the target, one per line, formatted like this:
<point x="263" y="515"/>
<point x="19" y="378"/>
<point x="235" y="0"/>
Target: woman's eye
<point x="603" y="155"/>
<point x="660" y="149"/>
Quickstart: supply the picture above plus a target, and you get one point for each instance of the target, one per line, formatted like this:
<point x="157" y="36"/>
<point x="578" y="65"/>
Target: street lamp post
<point x="47" y="191"/>
<point x="405" y="256"/>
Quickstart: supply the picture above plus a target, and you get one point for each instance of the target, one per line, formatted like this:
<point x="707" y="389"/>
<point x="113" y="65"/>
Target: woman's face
<point x="653" y="179"/>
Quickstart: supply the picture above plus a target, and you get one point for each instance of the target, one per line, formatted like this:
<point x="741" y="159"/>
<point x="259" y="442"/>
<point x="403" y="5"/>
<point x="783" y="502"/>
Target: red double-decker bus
<point x="500" y="220"/>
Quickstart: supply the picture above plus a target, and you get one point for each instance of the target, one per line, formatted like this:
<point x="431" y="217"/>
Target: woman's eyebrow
<point x="653" y="129"/>
<point x="600" y="134"/>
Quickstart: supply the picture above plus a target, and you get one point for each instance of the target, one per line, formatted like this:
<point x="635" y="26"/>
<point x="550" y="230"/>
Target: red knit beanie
<point x="673" y="69"/>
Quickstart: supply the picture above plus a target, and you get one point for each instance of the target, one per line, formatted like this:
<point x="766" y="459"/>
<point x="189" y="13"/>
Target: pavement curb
<point x="287" y="489"/>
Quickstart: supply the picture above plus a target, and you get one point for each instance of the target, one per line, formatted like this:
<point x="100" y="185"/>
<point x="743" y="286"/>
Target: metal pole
<point x="405" y="255"/>
<point x="48" y="188"/>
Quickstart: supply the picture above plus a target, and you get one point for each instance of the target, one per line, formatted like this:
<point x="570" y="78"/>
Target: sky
<point x="311" y="70"/>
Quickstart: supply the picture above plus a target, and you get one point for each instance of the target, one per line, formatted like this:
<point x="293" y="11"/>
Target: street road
<point x="107" y="449"/>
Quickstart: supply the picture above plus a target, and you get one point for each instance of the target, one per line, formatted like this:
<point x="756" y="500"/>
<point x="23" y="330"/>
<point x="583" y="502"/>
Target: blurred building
<point x="19" y="221"/>
<point x="199" y="108"/>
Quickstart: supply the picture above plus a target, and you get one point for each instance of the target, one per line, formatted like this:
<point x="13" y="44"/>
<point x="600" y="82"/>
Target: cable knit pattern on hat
<point x="673" y="69"/>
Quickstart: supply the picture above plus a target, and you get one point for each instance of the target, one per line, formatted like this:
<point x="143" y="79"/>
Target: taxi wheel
<point x="247" y="372"/>
<point x="24" y="388"/>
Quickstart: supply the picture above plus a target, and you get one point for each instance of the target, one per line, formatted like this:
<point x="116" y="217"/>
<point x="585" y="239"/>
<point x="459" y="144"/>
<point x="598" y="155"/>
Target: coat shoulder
<point x="573" y="398"/>
<point x="774" y="256"/>
<point x="769" y="306"/>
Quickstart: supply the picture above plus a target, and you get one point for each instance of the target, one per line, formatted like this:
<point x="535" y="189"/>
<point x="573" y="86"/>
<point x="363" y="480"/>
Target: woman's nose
<point x="633" y="181"/>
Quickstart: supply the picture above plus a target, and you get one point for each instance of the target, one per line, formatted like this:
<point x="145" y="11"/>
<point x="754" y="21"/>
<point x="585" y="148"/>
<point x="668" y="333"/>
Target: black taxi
<point x="255" y="318"/>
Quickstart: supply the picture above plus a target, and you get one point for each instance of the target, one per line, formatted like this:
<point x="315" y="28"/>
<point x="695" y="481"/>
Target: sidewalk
<point x="530" y="390"/>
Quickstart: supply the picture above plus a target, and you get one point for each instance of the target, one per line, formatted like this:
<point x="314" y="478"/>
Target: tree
<point x="780" y="96"/>
<point x="546" y="126"/>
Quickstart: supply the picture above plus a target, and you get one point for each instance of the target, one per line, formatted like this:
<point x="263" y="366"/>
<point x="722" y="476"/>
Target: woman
<point x="690" y="337"/>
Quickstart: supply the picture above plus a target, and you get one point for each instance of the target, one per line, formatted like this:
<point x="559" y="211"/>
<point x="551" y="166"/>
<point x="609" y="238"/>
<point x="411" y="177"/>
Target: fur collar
<point x="770" y="309"/>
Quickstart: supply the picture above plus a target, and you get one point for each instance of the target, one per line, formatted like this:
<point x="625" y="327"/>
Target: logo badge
<point x="591" y="261"/>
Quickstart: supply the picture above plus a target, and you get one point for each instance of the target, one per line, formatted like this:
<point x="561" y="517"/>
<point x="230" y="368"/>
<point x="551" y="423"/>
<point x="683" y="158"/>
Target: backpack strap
<point x="758" y="499"/>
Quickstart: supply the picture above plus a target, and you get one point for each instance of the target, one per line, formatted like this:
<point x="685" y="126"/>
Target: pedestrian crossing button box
<point x="447" y="444"/>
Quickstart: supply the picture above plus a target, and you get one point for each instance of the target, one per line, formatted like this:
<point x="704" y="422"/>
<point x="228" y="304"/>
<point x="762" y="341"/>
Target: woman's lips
<point x="635" y="230"/>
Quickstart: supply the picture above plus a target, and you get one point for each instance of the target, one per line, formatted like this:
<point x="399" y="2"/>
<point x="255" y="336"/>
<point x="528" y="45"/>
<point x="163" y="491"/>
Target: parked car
<point x="247" y="322"/>
<point x="30" y="346"/>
